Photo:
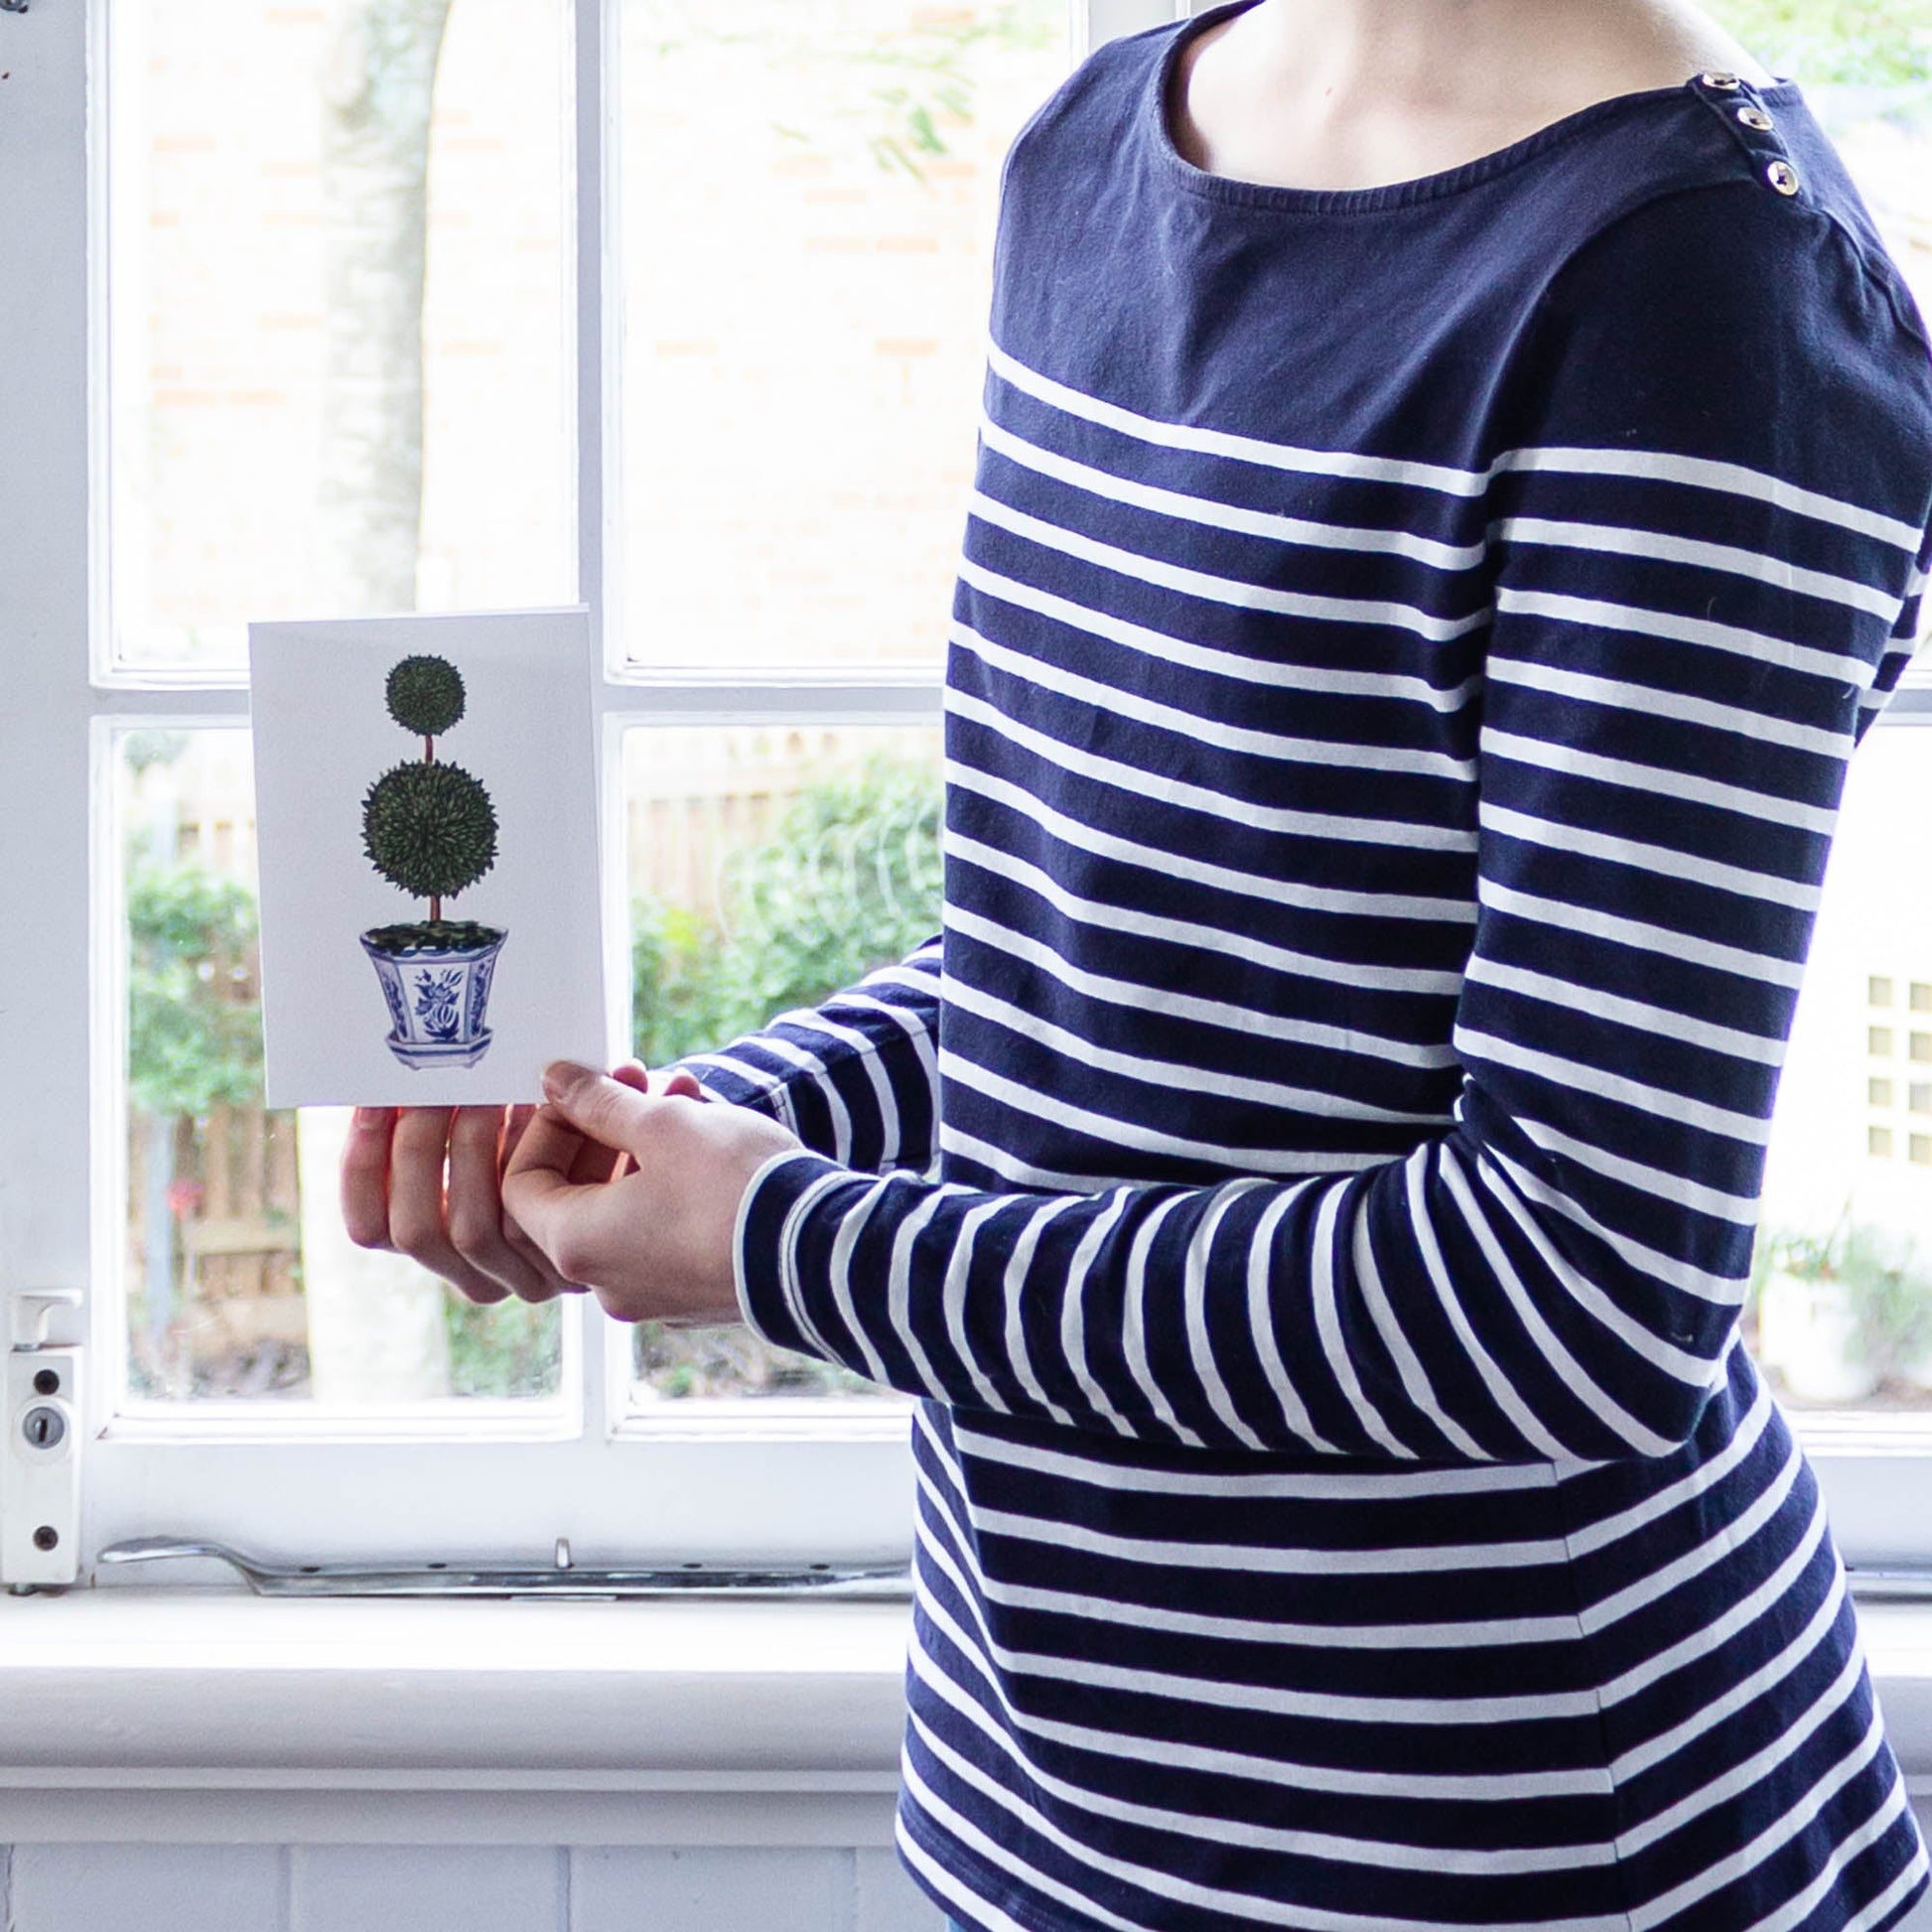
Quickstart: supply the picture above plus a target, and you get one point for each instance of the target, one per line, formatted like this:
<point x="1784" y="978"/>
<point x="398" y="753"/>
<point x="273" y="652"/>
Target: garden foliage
<point x="848" y="879"/>
<point x="194" y="1037"/>
<point x="1836" y="43"/>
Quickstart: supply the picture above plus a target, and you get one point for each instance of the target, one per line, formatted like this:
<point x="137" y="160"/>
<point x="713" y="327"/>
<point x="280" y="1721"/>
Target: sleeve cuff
<point x="763" y="1246"/>
<point x="722" y="1080"/>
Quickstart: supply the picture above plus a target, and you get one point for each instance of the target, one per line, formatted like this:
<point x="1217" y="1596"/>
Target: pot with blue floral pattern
<point x="436" y="978"/>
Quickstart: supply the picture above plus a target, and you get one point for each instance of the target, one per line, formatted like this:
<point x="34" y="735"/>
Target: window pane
<point x="237" y="1276"/>
<point x="1842" y="1313"/>
<point x="809" y="189"/>
<point x="767" y="869"/>
<point x="340" y="374"/>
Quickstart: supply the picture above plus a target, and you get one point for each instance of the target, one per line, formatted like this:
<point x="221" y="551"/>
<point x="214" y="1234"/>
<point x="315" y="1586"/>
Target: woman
<point x="1453" y="492"/>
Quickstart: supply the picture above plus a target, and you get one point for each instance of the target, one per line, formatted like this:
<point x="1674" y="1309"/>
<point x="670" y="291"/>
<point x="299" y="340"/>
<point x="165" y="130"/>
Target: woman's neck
<point x="1356" y="93"/>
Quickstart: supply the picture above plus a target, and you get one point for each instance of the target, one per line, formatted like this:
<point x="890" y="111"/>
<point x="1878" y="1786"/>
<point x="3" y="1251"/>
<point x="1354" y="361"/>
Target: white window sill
<point x="184" y="1715"/>
<point x="180" y="1714"/>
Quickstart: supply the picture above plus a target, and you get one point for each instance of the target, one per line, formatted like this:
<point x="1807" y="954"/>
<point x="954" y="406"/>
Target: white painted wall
<point x="458" y="1889"/>
<point x="477" y="1888"/>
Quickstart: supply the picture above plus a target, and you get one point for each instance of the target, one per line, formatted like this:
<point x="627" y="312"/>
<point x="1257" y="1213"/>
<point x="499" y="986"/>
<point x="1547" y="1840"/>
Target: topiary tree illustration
<point x="429" y="828"/>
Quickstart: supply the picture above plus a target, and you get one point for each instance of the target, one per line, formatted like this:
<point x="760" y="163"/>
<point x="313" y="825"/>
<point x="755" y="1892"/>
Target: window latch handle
<point x="563" y="1578"/>
<point x="34" y="1308"/>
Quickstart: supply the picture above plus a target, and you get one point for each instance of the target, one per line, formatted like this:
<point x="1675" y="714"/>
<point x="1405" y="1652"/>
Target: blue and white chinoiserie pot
<point x="436" y="979"/>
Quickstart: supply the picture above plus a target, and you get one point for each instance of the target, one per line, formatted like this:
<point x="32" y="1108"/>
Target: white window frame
<point x="795" y="1481"/>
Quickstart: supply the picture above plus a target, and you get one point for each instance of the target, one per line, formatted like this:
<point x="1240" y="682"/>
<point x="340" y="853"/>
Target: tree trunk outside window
<point x="375" y="1320"/>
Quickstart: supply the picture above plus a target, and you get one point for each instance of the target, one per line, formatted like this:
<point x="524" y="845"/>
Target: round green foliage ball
<point x="425" y="695"/>
<point x="430" y="829"/>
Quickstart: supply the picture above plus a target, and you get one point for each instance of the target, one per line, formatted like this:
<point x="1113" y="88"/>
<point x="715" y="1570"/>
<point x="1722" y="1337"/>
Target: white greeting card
<point x="427" y="819"/>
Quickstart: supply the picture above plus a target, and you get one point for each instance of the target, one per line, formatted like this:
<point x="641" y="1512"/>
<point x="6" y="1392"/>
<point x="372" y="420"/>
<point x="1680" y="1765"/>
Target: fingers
<point x="587" y="1134"/>
<point x="611" y="1110"/>
<point x="432" y="1183"/>
<point x="365" y="1178"/>
<point x="537" y="1185"/>
<point x="597" y="1162"/>
<point x="516" y="1121"/>
<point x="418" y="1154"/>
<point x="475" y="1218"/>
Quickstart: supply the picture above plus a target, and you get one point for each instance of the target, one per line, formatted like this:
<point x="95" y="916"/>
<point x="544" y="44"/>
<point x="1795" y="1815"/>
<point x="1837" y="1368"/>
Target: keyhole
<point x="44" y="1427"/>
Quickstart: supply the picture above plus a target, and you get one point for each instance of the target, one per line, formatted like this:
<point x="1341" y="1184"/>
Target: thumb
<point x="607" y="1110"/>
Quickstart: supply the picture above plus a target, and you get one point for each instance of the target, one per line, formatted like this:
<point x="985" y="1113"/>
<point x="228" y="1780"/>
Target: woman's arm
<point x="856" y="1077"/>
<point x="1708" y="541"/>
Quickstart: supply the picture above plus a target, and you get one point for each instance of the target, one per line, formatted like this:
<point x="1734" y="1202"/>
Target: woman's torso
<point x="1159" y="1687"/>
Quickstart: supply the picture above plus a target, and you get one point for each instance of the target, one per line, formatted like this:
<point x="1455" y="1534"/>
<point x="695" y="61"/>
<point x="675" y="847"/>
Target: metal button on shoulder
<point x="1757" y="117"/>
<point x="1721" y="83"/>
<point x="1783" y="177"/>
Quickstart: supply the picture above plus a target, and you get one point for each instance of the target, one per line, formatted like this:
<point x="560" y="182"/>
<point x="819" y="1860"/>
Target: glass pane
<point x="1842" y="1309"/>
<point x="809" y="189"/>
<point x="341" y="380"/>
<point x="237" y="1276"/>
<point x="768" y="869"/>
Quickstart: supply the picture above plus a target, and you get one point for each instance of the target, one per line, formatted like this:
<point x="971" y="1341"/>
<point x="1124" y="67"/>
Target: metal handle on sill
<point x="1899" y="1583"/>
<point x="563" y="1579"/>
<point x="1893" y="1584"/>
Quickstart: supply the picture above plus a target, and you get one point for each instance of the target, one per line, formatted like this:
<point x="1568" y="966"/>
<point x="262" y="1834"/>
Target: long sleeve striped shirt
<point x="1407" y="649"/>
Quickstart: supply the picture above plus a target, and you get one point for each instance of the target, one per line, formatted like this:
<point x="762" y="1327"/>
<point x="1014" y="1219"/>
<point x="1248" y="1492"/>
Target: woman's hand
<point x="655" y="1243"/>
<point x="427" y="1182"/>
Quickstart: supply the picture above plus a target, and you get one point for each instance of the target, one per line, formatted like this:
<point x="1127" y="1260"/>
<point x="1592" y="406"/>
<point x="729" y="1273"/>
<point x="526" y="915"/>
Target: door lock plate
<point x="40" y="1462"/>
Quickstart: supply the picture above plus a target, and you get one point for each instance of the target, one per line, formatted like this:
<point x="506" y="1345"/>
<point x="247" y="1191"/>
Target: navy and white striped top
<point x="1406" y="653"/>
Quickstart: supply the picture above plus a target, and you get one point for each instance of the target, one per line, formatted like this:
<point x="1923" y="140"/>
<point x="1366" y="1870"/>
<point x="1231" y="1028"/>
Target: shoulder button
<point x="1721" y="83"/>
<point x="1783" y="177"/>
<point x="1756" y="119"/>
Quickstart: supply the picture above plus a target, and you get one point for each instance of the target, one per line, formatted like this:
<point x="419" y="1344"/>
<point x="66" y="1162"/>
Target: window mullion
<point x="45" y="577"/>
<point x="748" y="699"/>
<point x="593" y="277"/>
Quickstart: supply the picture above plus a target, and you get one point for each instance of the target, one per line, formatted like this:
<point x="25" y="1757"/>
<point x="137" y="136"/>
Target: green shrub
<point x="1861" y="43"/>
<point x="192" y="1044"/>
<point x="849" y="880"/>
